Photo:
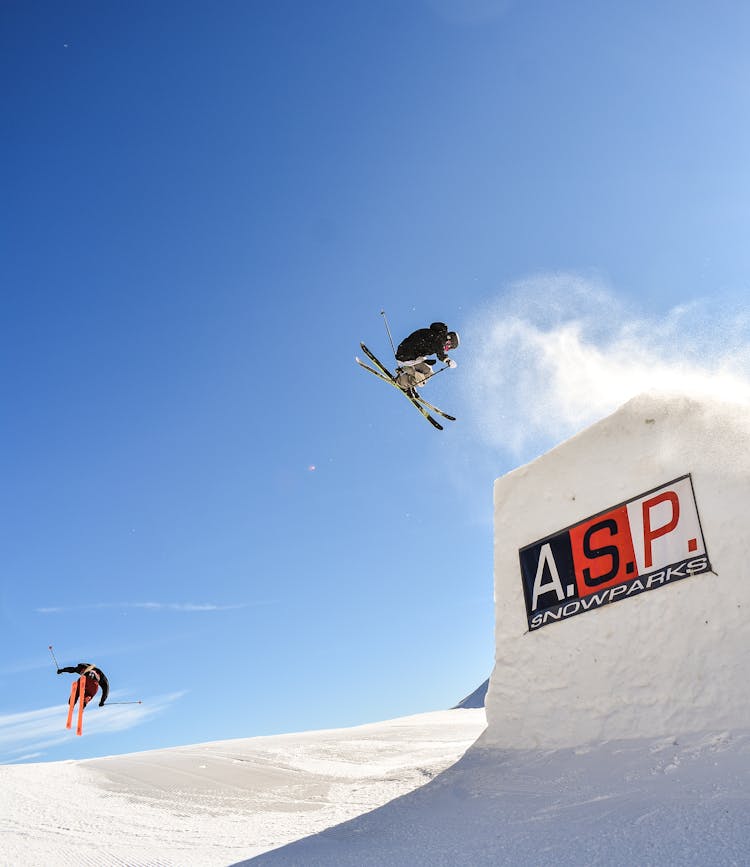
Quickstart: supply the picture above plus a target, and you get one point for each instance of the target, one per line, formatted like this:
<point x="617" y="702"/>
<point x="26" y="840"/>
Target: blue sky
<point x="205" y="208"/>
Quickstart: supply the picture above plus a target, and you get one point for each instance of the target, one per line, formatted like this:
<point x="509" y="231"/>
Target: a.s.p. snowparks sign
<point x="648" y="542"/>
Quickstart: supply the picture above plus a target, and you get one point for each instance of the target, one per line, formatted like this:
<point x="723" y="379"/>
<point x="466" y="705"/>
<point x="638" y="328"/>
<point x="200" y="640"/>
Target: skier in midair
<point x="414" y="367"/>
<point x="95" y="678"/>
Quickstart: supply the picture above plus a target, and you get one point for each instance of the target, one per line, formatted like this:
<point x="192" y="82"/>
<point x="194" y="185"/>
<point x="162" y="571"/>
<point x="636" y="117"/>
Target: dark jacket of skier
<point x="435" y="340"/>
<point x="95" y="678"/>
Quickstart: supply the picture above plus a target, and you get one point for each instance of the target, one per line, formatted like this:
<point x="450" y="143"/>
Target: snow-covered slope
<point x="477" y="697"/>
<point x="211" y="804"/>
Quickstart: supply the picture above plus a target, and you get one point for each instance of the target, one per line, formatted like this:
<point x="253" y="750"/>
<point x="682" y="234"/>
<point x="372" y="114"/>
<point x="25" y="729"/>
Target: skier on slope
<point x="94" y="678"/>
<point x="414" y="367"/>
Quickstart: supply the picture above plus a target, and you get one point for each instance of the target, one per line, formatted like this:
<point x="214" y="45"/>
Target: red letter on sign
<point x="650" y="534"/>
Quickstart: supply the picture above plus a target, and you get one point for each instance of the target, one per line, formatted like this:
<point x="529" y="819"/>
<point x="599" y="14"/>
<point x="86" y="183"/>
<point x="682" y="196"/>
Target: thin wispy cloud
<point x="146" y="606"/>
<point x="559" y="351"/>
<point x="32" y="732"/>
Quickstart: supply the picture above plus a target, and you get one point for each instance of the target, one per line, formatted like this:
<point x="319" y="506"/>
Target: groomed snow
<point x="217" y="803"/>
<point x="648" y="801"/>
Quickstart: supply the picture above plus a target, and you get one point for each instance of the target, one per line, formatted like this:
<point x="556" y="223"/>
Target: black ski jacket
<point x="424" y="341"/>
<point x="83" y="668"/>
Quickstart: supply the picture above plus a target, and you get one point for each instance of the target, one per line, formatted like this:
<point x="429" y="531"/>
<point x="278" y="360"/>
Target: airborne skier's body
<point x="95" y="678"/>
<point x="414" y="366"/>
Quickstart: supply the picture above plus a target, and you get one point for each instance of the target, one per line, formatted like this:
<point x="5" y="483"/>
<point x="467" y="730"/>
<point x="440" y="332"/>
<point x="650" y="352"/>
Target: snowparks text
<point x="648" y="542"/>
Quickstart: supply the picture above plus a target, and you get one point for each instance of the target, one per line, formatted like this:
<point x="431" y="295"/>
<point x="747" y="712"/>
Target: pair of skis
<point x="77" y="695"/>
<point x="419" y="402"/>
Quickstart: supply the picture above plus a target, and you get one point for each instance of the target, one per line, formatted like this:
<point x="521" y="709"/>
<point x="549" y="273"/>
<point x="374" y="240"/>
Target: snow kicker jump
<point x="621" y="580"/>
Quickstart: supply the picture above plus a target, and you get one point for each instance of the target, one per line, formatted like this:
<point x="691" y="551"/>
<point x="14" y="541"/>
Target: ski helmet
<point x="452" y="341"/>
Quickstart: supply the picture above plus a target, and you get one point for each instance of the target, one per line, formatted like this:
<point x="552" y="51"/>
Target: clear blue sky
<point x="204" y="208"/>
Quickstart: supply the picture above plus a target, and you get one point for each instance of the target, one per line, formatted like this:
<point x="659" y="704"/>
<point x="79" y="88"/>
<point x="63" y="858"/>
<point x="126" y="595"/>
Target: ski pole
<point x="108" y="703"/>
<point x="435" y="372"/>
<point x="54" y="659"/>
<point x="385" y="319"/>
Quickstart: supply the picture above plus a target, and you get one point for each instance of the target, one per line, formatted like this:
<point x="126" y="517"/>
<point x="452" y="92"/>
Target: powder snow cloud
<point x="556" y="352"/>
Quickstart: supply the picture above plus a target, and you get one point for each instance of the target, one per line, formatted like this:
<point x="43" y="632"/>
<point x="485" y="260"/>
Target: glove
<point x="59" y="671"/>
<point x="101" y="703"/>
<point x="451" y="363"/>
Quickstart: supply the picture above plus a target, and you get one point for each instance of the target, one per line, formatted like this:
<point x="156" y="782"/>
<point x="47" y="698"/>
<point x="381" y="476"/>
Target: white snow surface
<point x="219" y="803"/>
<point x="620" y="736"/>
<point x="643" y="802"/>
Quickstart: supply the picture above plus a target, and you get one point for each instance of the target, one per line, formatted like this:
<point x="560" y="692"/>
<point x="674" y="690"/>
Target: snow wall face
<point x="657" y="491"/>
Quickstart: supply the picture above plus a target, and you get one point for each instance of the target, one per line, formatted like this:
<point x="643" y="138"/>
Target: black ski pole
<point x="385" y="319"/>
<point x="53" y="656"/>
<point x="435" y="372"/>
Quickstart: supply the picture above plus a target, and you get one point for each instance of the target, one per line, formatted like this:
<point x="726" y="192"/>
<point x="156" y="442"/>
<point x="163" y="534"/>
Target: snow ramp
<point x="622" y="587"/>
